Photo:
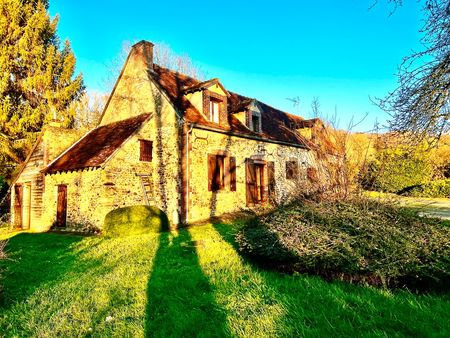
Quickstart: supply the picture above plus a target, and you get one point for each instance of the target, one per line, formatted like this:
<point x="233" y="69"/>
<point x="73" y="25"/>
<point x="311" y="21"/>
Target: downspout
<point x="187" y="173"/>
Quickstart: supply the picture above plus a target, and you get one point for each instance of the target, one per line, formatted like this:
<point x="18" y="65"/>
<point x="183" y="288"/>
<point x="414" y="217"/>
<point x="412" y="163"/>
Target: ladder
<point x="147" y="188"/>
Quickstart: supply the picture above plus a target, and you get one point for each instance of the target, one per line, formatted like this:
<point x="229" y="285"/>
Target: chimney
<point x="143" y="50"/>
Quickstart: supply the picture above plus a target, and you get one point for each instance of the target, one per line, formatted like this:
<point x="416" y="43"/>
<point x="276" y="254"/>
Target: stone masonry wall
<point x="204" y="204"/>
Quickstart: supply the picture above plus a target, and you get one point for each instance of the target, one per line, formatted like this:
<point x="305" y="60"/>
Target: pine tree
<point x="37" y="79"/>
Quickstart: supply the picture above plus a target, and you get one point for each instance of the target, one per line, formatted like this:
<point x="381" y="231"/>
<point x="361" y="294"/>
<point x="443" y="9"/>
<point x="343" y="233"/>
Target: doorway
<point x="255" y="182"/>
<point x="18" y="206"/>
<point x="61" y="208"/>
<point x="26" y="206"/>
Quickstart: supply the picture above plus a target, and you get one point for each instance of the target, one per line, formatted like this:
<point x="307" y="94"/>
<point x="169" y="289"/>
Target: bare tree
<point x="315" y="107"/>
<point x="420" y="106"/>
<point x="163" y="56"/>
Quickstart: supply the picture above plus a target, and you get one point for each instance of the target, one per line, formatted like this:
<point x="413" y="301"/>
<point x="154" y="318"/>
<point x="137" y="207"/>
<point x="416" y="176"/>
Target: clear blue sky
<point x="339" y="51"/>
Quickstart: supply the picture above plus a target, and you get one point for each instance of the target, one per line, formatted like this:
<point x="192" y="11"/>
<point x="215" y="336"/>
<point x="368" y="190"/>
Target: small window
<point x="255" y="123"/>
<point x="146" y="148"/>
<point x="312" y="175"/>
<point x="291" y="170"/>
<point x="214" y="109"/>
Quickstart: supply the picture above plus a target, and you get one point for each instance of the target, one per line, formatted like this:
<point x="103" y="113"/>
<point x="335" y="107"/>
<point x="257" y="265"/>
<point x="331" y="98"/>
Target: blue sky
<point x="339" y="51"/>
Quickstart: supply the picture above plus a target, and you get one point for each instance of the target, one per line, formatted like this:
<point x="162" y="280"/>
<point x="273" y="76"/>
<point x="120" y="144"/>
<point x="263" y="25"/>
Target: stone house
<point x="192" y="148"/>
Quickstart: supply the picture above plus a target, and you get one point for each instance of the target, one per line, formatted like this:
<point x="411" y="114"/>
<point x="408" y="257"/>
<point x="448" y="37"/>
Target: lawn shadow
<point x="33" y="260"/>
<point x="180" y="299"/>
<point x="316" y="307"/>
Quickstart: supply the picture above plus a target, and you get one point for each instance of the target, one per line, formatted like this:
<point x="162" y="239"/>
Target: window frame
<point x="214" y="102"/>
<point x="221" y="172"/>
<point x="258" y="124"/>
<point x="292" y="170"/>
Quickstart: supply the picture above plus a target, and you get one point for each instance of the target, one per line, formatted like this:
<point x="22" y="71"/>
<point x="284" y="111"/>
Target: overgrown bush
<point x="395" y="170"/>
<point x="135" y="220"/>
<point x="435" y="189"/>
<point x="358" y="240"/>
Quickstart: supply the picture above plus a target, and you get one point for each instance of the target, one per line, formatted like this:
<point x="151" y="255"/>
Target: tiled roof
<point x="276" y="125"/>
<point x="97" y="146"/>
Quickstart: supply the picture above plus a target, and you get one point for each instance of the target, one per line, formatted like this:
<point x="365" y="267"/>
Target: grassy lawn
<point x="435" y="207"/>
<point x="189" y="283"/>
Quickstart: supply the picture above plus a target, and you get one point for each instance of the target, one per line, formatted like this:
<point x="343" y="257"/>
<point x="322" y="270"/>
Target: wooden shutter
<point x="311" y="173"/>
<point x="211" y="170"/>
<point x="291" y="170"/>
<point x="232" y="174"/>
<point x="250" y="174"/>
<point x="271" y="180"/>
<point x="146" y="148"/>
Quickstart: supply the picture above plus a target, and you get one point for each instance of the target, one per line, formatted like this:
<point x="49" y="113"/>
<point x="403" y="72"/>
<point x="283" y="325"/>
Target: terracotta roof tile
<point x="97" y="146"/>
<point x="276" y="125"/>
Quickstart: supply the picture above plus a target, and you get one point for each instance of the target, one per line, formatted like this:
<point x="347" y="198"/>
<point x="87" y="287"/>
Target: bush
<point x="357" y="240"/>
<point x="435" y="189"/>
<point x="135" y="220"/>
<point x="395" y="170"/>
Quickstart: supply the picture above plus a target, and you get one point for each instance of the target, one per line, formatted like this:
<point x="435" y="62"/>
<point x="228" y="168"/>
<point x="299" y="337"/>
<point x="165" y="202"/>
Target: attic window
<point x="256" y="123"/>
<point x="214" y="110"/>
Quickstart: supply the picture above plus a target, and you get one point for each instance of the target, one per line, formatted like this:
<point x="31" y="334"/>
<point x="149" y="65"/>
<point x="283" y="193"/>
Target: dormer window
<point x="256" y="123"/>
<point x="214" y="110"/>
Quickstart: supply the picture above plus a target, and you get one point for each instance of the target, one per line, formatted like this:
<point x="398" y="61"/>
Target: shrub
<point x="357" y="240"/>
<point x="135" y="220"/>
<point x="395" y="170"/>
<point x="435" y="189"/>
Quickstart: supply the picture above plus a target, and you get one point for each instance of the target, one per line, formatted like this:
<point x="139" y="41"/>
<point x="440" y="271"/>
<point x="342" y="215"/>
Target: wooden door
<point x="61" y="209"/>
<point x="18" y="206"/>
<point x="254" y="182"/>
<point x="26" y="206"/>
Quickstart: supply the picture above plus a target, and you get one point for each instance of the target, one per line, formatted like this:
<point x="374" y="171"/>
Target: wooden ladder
<point x="147" y="188"/>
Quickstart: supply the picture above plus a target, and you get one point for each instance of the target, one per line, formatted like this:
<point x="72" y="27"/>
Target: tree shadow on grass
<point x="180" y="298"/>
<point x="32" y="260"/>
<point x="313" y="306"/>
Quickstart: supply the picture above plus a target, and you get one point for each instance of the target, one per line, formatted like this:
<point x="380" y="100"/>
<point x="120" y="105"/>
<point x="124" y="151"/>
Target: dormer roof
<point x="205" y="85"/>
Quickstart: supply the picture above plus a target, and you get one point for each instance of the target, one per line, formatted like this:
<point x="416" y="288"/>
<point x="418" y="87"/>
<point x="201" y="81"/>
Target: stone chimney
<point x="143" y="50"/>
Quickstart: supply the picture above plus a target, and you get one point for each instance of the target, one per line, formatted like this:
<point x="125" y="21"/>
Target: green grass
<point x="189" y="283"/>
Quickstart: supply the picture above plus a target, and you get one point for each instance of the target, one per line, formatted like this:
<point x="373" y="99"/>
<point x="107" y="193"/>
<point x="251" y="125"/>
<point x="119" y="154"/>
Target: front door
<point x="26" y="206"/>
<point x="255" y="182"/>
<point x="18" y="206"/>
<point x="61" y="209"/>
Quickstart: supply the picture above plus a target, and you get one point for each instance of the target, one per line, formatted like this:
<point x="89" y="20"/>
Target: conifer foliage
<point x="37" y="79"/>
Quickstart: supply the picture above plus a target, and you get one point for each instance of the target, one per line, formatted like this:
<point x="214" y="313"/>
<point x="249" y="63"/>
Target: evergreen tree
<point x="36" y="75"/>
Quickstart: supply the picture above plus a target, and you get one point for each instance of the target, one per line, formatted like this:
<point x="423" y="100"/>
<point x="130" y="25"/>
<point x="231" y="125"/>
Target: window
<point x="214" y="108"/>
<point x="146" y="148"/>
<point x="221" y="172"/>
<point x="255" y="123"/>
<point x="291" y="170"/>
<point x="312" y="175"/>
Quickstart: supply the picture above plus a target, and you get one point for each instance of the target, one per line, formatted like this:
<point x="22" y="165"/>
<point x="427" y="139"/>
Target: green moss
<point x="135" y="220"/>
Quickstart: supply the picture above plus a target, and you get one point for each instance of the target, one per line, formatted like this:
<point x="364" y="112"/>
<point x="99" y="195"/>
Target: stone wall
<point x="204" y="204"/>
<point x="51" y="143"/>
<point x="93" y="193"/>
